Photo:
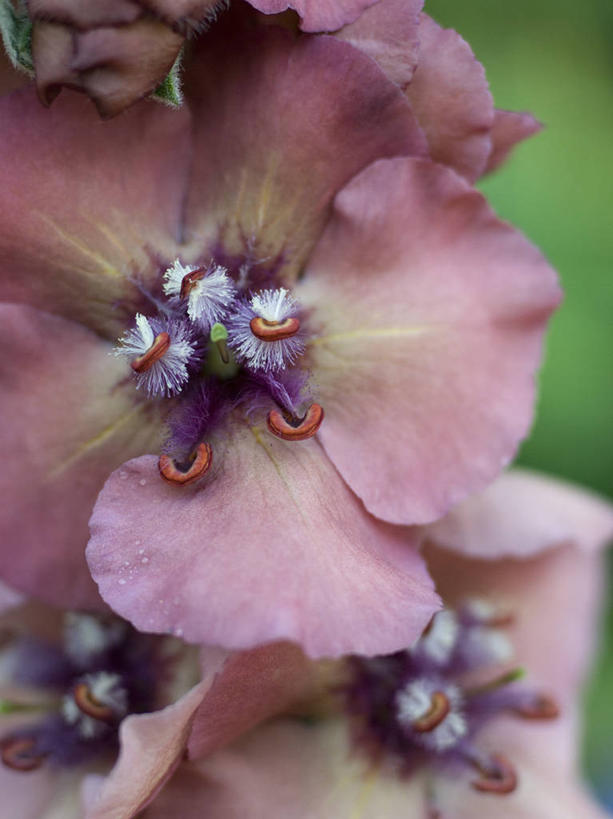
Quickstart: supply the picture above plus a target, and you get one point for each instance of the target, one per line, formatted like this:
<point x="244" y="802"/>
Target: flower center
<point x="417" y="706"/>
<point x="218" y="346"/>
<point x="105" y="669"/>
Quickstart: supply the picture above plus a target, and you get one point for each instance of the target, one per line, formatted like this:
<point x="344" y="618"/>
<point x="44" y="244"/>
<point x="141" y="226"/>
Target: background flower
<point x="298" y="770"/>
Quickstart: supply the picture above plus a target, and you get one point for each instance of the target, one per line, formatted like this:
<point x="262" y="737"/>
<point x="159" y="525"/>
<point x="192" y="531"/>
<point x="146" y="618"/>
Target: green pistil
<point x="10" y="707"/>
<point x="498" y="682"/>
<point x="219" y="360"/>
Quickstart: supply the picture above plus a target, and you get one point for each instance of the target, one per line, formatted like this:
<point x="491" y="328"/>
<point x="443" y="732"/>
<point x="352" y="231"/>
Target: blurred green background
<point x="555" y="59"/>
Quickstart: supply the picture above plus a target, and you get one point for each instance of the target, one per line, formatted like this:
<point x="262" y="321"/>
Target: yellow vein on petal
<point x="97" y="440"/>
<point x="256" y="432"/>
<point x="103" y="263"/>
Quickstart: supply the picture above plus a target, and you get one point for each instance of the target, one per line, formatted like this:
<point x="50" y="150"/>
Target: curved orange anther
<point x="200" y="465"/>
<point x="500" y="778"/>
<point x="439" y="708"/>
<point x="274" y="330"/>
<point x="18" y="753"/>
<point x="542" y="707"/>
<point x="295" y="430"/>
<point x="502" y="619"/>
<point x="190" y="280"/>
<point x="144" y="362"/>
<point x="89" y="705"/>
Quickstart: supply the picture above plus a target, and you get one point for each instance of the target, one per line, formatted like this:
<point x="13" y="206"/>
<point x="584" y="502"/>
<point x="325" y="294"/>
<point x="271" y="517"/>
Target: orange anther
<point x="499" y="778"/>
<point x="190" y="280"/>
<point x="200" y="465"/>
<point x="295" y="429"/>
<point x="542" y="707"/>
<point x="18" y="753"/>
<point x="144" y="362"/>
<point x="274" y="330"/>
<point x="89" y="705"/>
<point x="439" y="708"/>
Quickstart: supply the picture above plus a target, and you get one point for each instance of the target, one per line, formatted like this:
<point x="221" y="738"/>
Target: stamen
<point x="274" y="330"/>
<point x="290" y="429"/>
<point x="144" y="362"/>
<point x="485" y="613"/>
<point x="88" y="704"/>
<point x="498" y="778"/>
<point x="166" y="351"/>
<point x="498" y="682"/>
<point x="542" y="707"/>
<point x="439" y="708"/>
<point x="200" y="465"/>
<point x="439" y="638"/>
<point x="264" y="332"/>
<point x="190" y="280"/>
<point x="19" y="754"/>
<point x="209" y="291"/>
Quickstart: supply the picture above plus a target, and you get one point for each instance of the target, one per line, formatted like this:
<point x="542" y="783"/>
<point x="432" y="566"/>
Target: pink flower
<point x="118" y="52"/>
<point x="78" y="730"/>
<point x="420" y="736"/>
<point x="293" y="193"/>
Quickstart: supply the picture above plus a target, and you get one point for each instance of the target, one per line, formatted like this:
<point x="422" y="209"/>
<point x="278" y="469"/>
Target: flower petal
<point x="521" y="514"/>
<point x="41" y="794"/>
<point x="510" y="127"/>
<point x="152" y="746"/>
<point x="251" y="687"/>
<point x="387" y="32"/>
<point x="70" y="239"/>
<point x="451" y="100"/>
<point x="431" y="314"/>
<point x="70" y="418"/>
<point x="290" y="770"/>
<point x="271" y="546"/>
<point x="280" y="125"/>
<point x="317" y="15"/>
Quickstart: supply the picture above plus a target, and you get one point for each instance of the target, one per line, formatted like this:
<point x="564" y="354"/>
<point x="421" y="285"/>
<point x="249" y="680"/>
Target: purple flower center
<point x="420" y="705"/>
<point x="221" y="342"/>
<point x="102" y="671"/>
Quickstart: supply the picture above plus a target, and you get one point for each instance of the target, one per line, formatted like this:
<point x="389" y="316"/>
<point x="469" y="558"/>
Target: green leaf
<point x="16" y="31"/>
<point x="169" y="90"/>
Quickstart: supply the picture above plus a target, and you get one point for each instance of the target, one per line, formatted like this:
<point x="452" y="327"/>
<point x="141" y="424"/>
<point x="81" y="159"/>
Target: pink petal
<point x="451" y="100"/>
<point x="280" y="125"/>
<point x="288" y="770"/>
<point x="555" y="597"/>
<point x="10" y="78"/>
<point x="521" y="514"/>
<point x="295" y="771"/>
<point x="251" y="687"/>
<point x="317" y="15"/>
<point x="387" y="32"/>
<point x="237" y="692"/>
<point x="151" y="748"/>
<point x="548" y="788"/>
<point x="271" y="546"/>
<point x="431" y="313"/>
<point x="185" y="15"/>
<point x="42" y="794"/>
<point x="70" y="239"/>
<point x="69" y="420"/>
<point x="510" y="127"/>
